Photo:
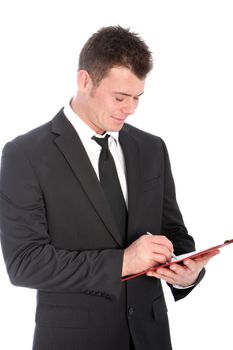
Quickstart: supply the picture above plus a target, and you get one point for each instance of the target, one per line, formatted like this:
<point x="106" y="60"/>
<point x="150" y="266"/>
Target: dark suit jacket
<point x="59" y="237"/>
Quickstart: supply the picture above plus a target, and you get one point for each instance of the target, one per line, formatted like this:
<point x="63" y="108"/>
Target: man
<point x="64" y="234"/>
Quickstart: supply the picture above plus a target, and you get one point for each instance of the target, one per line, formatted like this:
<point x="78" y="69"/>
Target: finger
<point x="201" y="260"/>
<point x="162" y="250"/>
<point x="192" y="264"/>
<point x="177" y="275"/>
<point x="178" y="269"/>
<point x="162" y="240"/>
<point x="159" y="258"/>
<point x="166" y="272"/>
<point x="164" y="277"/>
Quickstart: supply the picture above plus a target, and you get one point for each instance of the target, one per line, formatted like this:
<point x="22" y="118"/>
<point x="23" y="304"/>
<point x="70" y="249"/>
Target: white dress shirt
<point x="93" y="149"/>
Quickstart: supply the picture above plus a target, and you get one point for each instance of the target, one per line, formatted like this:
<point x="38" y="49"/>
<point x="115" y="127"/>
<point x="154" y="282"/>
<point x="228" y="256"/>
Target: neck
<point x="80" y="110"/>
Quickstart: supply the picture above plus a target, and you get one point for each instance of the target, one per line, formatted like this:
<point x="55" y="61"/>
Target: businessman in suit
<point x="64" y="234"/>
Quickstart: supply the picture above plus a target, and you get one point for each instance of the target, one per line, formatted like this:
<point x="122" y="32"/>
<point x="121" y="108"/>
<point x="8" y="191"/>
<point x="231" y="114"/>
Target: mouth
<point x="119" y="119"/>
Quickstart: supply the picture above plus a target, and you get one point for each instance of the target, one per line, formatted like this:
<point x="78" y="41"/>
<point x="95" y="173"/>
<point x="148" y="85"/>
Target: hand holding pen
<point x="173" y="256"/>
<point x="145" y="252"/>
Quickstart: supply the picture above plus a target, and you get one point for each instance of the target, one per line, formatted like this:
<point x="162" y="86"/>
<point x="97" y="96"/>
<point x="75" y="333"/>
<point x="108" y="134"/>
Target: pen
<point x="172" y="254"/>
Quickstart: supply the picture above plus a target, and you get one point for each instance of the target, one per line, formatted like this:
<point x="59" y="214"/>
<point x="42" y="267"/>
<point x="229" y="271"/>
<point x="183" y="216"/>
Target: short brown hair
<point x="115" y="46"/>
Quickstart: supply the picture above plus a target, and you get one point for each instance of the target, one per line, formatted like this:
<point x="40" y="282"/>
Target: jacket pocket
<point x="61" y="316"/>
<point x="159" y="308"/>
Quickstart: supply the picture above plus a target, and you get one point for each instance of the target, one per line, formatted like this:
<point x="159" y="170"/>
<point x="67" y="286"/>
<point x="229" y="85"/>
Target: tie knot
<point x="102" y="141"/>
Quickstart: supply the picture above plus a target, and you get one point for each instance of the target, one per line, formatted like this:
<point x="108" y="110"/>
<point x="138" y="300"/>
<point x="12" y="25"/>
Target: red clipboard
<point x="191" y="255"/>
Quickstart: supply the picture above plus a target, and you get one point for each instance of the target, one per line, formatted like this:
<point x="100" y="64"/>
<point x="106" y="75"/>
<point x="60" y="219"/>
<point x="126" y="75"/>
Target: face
<point x="106" y="107"/>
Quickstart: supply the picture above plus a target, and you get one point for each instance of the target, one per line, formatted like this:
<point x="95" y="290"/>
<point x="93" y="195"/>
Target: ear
<point x="84" y="80"/>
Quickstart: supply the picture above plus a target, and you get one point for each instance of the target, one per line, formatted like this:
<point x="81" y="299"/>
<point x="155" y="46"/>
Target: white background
<point x="187" y="101"/>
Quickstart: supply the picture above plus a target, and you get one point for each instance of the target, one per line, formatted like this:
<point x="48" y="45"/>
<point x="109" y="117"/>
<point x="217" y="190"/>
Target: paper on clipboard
<point x="179" y="259"/>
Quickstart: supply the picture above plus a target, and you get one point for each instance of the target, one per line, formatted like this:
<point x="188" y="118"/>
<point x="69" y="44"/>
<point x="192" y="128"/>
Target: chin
<point x="116" y="129"/>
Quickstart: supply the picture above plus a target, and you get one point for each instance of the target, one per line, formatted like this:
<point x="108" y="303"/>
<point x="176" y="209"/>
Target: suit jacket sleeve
<point x="173" y="225"/>
<point x="31" y="260"/>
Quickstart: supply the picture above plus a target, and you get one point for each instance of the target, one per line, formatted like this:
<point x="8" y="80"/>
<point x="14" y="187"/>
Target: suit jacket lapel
<point x="133" y="174"/>
<point x="72" y="148"/>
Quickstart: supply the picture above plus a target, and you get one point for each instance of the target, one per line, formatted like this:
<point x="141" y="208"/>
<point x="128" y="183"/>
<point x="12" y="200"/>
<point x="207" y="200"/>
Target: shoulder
<point x="150" y="149"/>
<point x="34" y="139"/>
<point x="142" y="137"/>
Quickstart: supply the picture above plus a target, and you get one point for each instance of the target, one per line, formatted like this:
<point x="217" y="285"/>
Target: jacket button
<point x="130" y="311"/>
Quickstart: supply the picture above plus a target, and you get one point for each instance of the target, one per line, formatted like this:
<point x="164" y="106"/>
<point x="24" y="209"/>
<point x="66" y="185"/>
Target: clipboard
<point x="179" y="259"/>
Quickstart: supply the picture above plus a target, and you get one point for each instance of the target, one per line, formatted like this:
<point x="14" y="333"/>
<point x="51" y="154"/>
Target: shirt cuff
<point x="180" y="287"/>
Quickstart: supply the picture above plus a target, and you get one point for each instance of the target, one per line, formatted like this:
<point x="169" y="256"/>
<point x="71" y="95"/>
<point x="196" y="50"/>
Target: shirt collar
<point x="83" y="130"/>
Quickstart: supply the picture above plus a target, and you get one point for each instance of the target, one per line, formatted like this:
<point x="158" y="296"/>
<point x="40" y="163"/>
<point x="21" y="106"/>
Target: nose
<point x="129" y="106"/>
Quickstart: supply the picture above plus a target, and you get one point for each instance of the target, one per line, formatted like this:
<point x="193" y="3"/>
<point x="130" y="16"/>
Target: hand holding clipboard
<point x="178" y="259"/>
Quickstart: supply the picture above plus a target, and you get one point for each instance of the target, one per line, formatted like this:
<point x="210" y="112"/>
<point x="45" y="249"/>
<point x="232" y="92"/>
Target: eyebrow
<point x="125" y="94"/>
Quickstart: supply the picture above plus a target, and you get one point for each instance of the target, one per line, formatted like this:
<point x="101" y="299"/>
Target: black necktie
<point x="111" y="185"/>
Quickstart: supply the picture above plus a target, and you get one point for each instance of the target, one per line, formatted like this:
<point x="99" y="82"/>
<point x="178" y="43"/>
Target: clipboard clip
<point x="228" y="241"/>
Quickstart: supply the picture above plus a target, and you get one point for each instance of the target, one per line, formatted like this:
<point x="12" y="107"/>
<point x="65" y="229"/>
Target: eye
<point x="119" y="99"/>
